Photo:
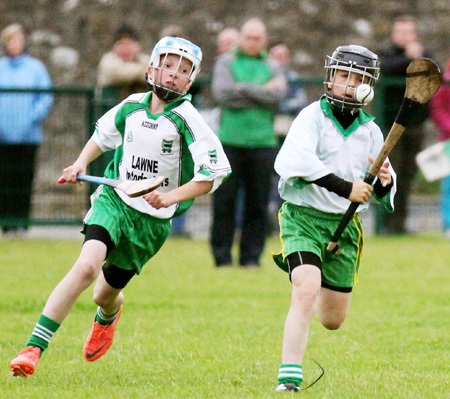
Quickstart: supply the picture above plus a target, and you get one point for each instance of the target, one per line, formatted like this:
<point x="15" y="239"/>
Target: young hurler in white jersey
<point x="158" y="133"/>
<point x="322" y="163"/>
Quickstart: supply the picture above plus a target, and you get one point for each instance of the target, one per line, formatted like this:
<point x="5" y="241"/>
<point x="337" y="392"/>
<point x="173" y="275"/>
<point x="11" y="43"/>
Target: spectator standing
<point x="288" y="109"/>
<point x="21" y="118"/>
<point x="296" y="96"/>
<point x="248" y="86"/>
<point x="121" y="71"/>
<point x="227" y="40"/>
<point x="404" y="47"/>
<point x="440" y="114"/>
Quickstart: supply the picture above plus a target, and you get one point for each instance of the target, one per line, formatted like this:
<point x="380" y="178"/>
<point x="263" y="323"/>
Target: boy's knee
<point x="332" y="323"/>
<point x="88" y="270"/>
<point x="308" y="296"/>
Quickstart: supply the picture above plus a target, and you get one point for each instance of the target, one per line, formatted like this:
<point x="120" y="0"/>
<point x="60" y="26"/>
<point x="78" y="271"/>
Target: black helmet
<point x="352" y="58"/>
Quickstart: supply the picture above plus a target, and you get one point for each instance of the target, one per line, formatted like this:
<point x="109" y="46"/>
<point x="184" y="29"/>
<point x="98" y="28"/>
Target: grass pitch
<point x="189" y="330"/>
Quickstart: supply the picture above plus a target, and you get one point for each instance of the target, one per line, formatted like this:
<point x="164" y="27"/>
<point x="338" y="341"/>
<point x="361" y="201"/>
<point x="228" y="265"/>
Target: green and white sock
<point x="43" y="332"/>
<point x="290" y="373"/>
<point x="105" y="319"/>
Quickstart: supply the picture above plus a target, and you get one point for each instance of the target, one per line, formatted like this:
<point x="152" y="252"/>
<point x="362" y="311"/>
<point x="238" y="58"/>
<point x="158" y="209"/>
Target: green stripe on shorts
<point x="308" y="229"/>
<point x="136" y="235"/>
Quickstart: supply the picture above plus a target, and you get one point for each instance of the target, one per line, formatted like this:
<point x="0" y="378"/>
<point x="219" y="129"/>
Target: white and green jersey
<point x="177" y="144"/>
<point x="317" y="145"/>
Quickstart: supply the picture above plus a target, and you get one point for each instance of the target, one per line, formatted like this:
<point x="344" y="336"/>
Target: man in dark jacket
<point x="403" y="48"/>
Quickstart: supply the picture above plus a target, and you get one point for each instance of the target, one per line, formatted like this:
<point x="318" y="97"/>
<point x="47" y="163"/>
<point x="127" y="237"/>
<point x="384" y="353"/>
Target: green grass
<point x="189" y="330"/>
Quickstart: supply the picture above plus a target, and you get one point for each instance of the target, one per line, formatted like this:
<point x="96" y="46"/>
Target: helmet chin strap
<point x="345" y="106"/>
<point x="163" y="92"/>
<point x="166" y="94"/>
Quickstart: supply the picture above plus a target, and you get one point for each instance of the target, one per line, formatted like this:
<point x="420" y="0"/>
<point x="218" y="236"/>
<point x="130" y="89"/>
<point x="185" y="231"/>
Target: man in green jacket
<point x="248" y="87"/>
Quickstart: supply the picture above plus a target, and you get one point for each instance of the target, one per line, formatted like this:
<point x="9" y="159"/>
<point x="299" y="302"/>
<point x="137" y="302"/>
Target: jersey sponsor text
<point x="144" y="164"/>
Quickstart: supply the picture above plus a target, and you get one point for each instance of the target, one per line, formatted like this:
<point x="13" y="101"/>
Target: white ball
<point x="364" y="93"/>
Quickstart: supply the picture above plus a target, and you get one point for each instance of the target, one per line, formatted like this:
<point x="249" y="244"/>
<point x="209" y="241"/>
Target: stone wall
<point x="71" y="35"/>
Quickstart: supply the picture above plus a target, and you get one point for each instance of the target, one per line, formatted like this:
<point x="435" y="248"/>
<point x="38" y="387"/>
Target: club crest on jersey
<point x="212" y="156"/>
<point x="149" y="125"/>
<point x="166" y="146"/>
<point x="130" y="136"/>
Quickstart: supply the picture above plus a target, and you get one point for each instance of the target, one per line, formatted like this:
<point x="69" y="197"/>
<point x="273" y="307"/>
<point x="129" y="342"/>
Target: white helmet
<point x="183" y="48"/>
<point x="353" y="59"/>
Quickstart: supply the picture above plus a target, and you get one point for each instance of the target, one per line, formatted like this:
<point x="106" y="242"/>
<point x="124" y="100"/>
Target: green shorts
<point x="310" y="230"/>
<point x="136" y="235"/>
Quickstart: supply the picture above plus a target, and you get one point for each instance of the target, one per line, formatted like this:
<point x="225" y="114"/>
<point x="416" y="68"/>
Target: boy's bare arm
<point x="90" y="152"/>
<point x="192" y="189"/>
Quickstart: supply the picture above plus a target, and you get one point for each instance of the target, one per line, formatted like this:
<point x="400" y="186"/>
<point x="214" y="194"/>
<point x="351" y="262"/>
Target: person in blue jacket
<point x="21" y="118"/>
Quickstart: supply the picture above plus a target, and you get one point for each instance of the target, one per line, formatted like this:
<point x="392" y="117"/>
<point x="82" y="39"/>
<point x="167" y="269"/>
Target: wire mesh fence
<point x="66" y="132"/>
<point x="71" y="122"/>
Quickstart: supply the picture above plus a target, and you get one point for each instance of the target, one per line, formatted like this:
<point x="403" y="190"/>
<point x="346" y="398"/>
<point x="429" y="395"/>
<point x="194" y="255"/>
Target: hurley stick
<point x="132" y="188"/>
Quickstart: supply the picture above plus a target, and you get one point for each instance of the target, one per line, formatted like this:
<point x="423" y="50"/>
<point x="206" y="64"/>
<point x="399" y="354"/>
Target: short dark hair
<point x="405" y="18"/>
<point x="125" y="31"/>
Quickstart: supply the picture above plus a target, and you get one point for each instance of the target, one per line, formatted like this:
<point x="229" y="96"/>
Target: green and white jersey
<point x="177" y="144"/>
<point x="317" y="145"/>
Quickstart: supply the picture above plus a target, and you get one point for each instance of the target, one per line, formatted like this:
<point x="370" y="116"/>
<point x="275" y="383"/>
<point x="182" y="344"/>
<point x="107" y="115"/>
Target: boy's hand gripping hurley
<point x="423" y="79"/>
<point x="132" y="188"/>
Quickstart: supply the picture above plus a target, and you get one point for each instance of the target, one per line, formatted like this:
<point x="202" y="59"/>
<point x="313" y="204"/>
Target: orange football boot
<point x="100" y="339"/>
<point x="25" y="364"/>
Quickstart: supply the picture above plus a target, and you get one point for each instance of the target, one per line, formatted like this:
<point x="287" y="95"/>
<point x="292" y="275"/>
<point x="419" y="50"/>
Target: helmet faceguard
<point x="353" y="59"/>
<point x="185" y="50"/>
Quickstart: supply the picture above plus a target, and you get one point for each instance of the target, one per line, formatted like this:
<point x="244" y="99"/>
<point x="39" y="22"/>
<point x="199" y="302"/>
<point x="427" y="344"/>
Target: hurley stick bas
<point x="423" y="79"/>
<point x="132" y="188"/>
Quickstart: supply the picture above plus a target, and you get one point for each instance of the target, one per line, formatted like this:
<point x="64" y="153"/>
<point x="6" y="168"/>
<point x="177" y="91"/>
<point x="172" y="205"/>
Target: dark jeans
<point x="403" y="159"/>
<point x="252" y="169"/>
<point x="16" y="184"/>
